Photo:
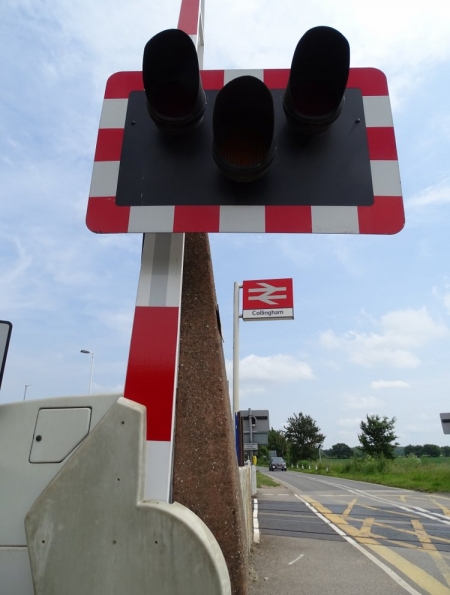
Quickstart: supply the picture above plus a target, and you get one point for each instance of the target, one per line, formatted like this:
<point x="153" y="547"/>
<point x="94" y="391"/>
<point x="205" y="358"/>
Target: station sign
<point x="268" y="299"/>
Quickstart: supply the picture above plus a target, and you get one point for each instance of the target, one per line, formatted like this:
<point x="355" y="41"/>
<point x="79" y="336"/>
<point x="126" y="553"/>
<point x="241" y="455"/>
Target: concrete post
<point x="205" y="477"/>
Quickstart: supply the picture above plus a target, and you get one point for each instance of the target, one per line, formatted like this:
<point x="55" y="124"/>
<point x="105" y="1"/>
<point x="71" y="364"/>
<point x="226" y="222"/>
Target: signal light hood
<point x="314" y="96"/>
<point x="171" y="76"/>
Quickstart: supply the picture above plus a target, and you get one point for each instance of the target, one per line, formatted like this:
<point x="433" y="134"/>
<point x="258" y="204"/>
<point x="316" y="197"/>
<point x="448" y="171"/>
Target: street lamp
<point x="25" y="391"/>
<point x="92" y="366"/>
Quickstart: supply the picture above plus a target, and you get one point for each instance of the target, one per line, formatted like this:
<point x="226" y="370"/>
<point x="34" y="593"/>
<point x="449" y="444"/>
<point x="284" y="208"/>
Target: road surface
<point x="322" y="535"/>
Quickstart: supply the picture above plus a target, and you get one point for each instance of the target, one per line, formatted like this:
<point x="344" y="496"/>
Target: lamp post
<point x="92" y="366"/>
<point x="25" y="391"/>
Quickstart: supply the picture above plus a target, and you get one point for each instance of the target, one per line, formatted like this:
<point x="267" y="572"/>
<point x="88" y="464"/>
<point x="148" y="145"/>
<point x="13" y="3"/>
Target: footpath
<point x="316" y="561"/>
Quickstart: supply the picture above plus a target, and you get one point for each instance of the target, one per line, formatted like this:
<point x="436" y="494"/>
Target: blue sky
<point x="372" y="313"/>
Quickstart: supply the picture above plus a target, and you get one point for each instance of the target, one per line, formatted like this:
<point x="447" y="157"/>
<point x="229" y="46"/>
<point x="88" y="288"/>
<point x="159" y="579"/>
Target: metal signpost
<point x="267" y="299"/>
<point x="254" y="429"/>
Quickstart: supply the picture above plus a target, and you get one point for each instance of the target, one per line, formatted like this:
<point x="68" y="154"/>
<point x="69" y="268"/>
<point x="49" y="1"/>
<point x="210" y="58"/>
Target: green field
<point x="426" y="474"/>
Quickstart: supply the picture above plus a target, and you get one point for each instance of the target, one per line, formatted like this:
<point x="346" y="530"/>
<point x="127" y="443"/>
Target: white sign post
<point x="266" y="299"/>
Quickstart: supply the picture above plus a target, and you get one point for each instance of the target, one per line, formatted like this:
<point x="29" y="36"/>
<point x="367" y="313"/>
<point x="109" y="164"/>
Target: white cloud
<point x="381" y="384"/>
<point x="404" y="44"/>
<point x="349" y="422"/>
<point x="400" y="333"/>
<point x="443" y="296"/>
<point x="120" y="322"/>
<point x="412" y="327"/>
<point x="366" y="403"/>
<point x="273" y="368"/>
<point x="248" y="391"/>
<point x="437" y="194"/>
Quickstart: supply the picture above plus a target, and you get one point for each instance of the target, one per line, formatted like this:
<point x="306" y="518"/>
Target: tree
<point x="445" y="451"/>
<point x="412" y="449"/>
<point x="304" y="436"/>
<point x="431" y="450"/>
<point x="377" y="436"/>
<point x="277" y="441"/>
<point x="340" y="451"/>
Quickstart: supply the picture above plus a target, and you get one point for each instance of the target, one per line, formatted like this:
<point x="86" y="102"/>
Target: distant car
<point x="277" y="463"/>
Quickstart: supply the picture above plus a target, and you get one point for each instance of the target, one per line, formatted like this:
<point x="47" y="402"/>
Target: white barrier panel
<point x="91" y="531"/>
<point x="36" y="440"/>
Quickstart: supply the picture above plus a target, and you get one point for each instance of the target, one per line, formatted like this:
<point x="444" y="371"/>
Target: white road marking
<point x="256" y="532"/>
<point x="296" y="560"/>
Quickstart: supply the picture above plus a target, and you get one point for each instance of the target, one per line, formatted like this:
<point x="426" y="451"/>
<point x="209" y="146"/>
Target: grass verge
<point x="264" y="480"/>
<point x="410" y="473"/>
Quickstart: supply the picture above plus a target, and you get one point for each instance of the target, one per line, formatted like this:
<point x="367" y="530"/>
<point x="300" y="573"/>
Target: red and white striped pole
<point x="153" y="361"/>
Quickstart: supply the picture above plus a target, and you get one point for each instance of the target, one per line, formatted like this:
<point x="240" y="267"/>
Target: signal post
<point x="180" y="150"/>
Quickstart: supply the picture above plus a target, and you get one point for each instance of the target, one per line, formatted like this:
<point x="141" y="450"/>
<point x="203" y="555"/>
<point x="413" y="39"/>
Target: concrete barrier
<point x="205" y="473"/>
<point x="37" y="438"/>
<point x="247" y="476"/>
<point x="90" y="531"/>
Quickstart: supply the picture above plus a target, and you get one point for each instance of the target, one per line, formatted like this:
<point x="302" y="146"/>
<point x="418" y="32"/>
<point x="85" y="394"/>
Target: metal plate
<point x="329" y="169"/>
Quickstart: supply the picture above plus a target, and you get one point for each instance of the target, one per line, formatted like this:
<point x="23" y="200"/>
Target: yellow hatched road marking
<point x="427" y="582"/>
<point x="338" y="521"/>
<point x="441" y="497"/>
<point x="416" y="574"/>
<point x="366" y="528"/>
<point x="393" y="512"/>
<point x="349" y="508"/>
<point x="396" y="528"/>
<point x="444" y="509"/>
<point x="409" y="531"/>
<point x="404" y="544"/>
<point x="437" y="557"/>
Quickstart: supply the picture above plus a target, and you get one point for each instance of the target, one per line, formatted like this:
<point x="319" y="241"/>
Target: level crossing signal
<point x="213" y="147"/>
<point x="310" y="149"/>
<point x="243" y="114"/>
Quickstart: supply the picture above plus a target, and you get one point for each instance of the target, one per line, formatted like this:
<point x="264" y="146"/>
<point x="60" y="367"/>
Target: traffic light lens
<point x="171" y="77"/>
<point x="243" y="147"/>
<point x="314" y="98"/>
<point x="243" y="127"/>
<point x="174" y="100"/>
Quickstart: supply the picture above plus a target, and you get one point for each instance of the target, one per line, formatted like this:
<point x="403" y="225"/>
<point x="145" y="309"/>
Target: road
<point x="324" y="535"/>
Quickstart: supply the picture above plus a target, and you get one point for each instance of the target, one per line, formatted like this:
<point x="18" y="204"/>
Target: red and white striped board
<point x="385" y="216"/>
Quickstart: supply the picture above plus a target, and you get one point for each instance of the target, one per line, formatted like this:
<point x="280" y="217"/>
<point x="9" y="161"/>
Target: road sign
<point x="268" y="299"/>
<point x="260" y="426"/>
<point x="445" y="421"/>
<point x="251" y="446"/>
